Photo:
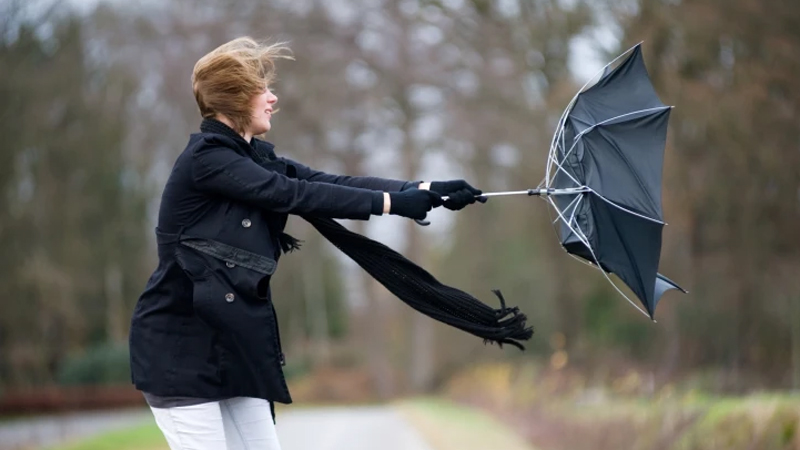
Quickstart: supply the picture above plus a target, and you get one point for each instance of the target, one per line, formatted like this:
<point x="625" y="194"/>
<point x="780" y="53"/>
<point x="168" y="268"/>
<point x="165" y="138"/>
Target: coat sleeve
<point x="219" y="170"/>
<point x="374" y="183"/>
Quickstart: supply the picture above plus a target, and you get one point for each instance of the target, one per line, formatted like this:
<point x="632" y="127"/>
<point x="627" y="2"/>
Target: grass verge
<point x="146" y="436"/>
<point x="447" y="426"/>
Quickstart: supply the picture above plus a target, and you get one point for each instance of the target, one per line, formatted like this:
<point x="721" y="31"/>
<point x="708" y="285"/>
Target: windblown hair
<point x="225" y="80"/>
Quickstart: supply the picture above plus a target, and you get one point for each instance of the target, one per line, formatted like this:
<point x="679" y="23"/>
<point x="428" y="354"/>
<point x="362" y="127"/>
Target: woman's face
<point x="261" y="112"/>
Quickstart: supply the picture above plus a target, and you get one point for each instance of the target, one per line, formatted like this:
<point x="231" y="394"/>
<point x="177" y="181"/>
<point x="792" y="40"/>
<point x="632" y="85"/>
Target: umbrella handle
<point x="425" y="223"/>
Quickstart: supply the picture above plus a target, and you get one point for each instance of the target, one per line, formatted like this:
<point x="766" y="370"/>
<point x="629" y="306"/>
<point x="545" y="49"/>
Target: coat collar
<point x="259" y="150"/>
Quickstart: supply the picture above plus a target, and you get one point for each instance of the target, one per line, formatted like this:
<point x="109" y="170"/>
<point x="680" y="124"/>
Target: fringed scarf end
<point x="512" y="323"/>
<point x="289" y="243"/>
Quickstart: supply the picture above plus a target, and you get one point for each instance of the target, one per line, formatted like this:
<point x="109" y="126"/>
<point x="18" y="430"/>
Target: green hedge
<point x="100" y="364"/>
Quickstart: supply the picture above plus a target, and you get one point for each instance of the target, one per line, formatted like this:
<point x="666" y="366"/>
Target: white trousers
<point x="235" y="424"/>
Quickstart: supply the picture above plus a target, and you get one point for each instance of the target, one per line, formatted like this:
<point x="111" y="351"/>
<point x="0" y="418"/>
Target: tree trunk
<point x="421" y="368"/>
<point x="316" y="307"/>
<point x="794" y="308"/>
<point x="115" y="313"/>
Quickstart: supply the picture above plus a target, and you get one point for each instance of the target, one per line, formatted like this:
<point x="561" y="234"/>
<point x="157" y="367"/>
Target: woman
<point x="204" y="340"/>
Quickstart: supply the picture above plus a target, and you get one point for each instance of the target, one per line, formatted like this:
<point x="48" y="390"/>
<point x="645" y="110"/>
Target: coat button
<point x="246" y="223"/>
<point x="230" y="264"/>
<point x="229" y="297"/>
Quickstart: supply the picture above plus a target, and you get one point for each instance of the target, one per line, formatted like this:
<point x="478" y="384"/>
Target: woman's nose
<point x="272" y="98"/>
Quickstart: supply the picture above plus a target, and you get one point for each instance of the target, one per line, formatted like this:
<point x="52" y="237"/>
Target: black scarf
<point x="409" y="282"/>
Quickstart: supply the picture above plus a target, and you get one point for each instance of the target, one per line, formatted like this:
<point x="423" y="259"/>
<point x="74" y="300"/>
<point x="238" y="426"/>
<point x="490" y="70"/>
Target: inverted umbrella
<point x="603" y="178"/>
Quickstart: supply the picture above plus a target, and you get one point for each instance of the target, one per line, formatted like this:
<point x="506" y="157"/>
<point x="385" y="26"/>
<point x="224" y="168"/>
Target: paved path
<point x="333" y="428"/>
<point x="351" y="428"/>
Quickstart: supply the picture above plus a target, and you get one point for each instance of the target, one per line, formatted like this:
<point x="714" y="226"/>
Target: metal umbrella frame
<point x="566" y="201"/>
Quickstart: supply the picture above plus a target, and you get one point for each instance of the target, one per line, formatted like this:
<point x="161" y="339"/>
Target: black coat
<point x="205" y="325"/>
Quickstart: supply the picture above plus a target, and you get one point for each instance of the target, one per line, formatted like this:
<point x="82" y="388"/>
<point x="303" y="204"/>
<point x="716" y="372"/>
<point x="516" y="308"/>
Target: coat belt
<point x="219" y="250"/>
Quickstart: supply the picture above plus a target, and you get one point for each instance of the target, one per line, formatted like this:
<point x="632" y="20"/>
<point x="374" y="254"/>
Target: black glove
<point x="413" y="203"/>
<point x="459" y="193"/>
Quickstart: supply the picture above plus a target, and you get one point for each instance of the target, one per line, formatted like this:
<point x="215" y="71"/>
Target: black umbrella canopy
<point x="613" y="147"/>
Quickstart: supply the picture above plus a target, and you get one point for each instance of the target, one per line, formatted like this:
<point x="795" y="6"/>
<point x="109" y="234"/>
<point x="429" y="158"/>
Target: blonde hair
<point x="225" y="80"/>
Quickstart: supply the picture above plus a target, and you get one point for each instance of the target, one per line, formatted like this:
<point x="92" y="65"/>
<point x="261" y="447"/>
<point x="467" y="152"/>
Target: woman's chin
<point x="261" y="130"/>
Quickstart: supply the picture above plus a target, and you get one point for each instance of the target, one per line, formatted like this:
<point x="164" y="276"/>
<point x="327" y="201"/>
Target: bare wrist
<point x="387" y="203"/>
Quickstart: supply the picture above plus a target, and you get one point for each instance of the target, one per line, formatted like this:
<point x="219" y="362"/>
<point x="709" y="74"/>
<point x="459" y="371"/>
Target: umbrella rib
<point x="575" y="209"/>
<point x="551" y="152"/>
<point x="553" y="158"/>
<point x="585" y="241"/>
<point x="556" y="136"/>
<point x="592" y="127"/>
<point x="570" y="205"/>
<point x="661" y="222"/>
<point x="562" y="169"/>
<point x="581" y="236"/>
<point x="553" y="222"/>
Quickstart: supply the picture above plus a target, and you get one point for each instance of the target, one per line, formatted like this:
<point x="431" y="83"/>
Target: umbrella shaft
<point x="536" y="192"/>
<point x="500" y="194"/>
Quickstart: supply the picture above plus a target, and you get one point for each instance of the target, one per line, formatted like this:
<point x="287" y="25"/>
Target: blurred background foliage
<point x="95" y="104"/>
